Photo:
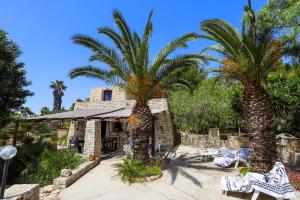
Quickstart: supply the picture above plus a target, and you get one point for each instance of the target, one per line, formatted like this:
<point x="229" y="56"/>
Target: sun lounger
<point x="226" y="159"/>
<point x="205" y="154"/>
<point x="243" y="155"/>
<point x="275" y="183"/>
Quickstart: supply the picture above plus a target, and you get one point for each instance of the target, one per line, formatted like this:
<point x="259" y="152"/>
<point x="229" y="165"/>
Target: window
<point x="107" y="94"/>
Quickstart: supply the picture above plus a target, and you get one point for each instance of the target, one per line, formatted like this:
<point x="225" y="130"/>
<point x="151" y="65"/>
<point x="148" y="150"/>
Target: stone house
<point x="104" y="122"/>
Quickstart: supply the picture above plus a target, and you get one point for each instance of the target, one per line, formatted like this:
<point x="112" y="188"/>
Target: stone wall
<point x="92" y="139"/>
<point x="22" y="192"/>
<point x="289" y="149"/>
<point x="63" y="182"/>
<point x="97" y="94"/>
<point x="161" y="103"/>
<point x="210" y="141"/>
<point x="163" y="129"/>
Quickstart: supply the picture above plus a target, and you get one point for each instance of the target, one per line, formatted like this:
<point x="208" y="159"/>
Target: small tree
<point x="58" y="91"/>
<point x="45" y="111"/>
<point x="13" y="82"/>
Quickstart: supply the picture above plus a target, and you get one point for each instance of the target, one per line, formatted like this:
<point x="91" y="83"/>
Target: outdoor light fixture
<point x="6" y="153"/>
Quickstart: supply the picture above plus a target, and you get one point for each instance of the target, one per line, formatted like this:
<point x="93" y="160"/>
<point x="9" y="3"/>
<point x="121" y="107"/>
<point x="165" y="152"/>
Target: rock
<point x="65" y="173"/>
<point x="56" y="191"/>
<point x="52" y="196"/>
<point x="47" y="189"/>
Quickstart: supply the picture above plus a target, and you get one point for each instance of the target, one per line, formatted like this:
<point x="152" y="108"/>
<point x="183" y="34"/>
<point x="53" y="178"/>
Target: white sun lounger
<point x="275" y="183"/>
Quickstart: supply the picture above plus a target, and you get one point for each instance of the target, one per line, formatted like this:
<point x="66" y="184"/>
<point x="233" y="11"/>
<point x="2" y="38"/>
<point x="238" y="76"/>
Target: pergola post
<point x="92" y="139"/>
<point x="14" y="143"/>
<point x="153" y="137"/>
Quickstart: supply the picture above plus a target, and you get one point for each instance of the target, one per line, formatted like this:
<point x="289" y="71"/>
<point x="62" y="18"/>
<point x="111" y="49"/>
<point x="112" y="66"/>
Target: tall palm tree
<point x="58" y="91"/>
<point x="248" y="57"/>
<point x="131" y="70"/>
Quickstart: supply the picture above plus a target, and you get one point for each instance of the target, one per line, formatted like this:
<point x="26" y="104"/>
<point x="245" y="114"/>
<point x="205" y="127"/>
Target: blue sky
<point x="43" y="30"/>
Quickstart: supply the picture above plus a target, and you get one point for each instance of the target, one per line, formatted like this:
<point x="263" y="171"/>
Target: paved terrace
<point x="186" y="178"/>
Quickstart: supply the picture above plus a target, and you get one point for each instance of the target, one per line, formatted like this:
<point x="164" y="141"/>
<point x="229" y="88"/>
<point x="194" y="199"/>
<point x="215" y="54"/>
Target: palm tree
<point x="248" y="57"/>
<point x="58" y="91"/>
<point x="131" y="70"/>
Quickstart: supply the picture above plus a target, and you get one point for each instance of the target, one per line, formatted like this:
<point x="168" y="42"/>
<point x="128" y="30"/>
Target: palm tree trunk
<point x="142" y="133"/>
<point x="258" y="114"/>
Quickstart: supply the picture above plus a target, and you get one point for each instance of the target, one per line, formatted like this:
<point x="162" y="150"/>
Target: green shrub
<point x="244" y="171"/>
<point x="62" y="139"/>
<point x="39" y="162"/>
<point x="49" y="165"/>
<point x="133" y="170"/>
<point x="3" y="134"/>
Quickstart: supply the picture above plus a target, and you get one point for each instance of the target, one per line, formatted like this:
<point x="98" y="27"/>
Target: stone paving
<point x="186" y="178"/>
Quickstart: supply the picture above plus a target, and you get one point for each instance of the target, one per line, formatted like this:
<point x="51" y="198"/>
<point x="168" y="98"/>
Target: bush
<point x="49" y="165"/>
<point x="3" y="134"/>
<point x="133" y="170"/>
<point x="208" y="107"/>
<point x="244" y="171"/>
<point x="39" y="162"/>
<point x="62" y="140"/>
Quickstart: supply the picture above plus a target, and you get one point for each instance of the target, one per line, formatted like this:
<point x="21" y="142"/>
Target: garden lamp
<point x="6" y="153"/>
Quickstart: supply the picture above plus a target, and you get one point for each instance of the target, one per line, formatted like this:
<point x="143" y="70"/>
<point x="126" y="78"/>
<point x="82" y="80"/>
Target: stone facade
<point x="164" y="132"/>
<point x="97" y="94"/>
<point x="92" y="139"/>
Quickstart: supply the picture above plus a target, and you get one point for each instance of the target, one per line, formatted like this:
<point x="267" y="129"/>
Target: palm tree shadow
<point x="178" y="166"/>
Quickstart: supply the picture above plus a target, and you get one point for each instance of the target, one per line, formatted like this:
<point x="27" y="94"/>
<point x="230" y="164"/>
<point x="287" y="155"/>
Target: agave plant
<point x="58" y="91"/>
<point x="248" y="57"/>
<point x="130" y="69"/>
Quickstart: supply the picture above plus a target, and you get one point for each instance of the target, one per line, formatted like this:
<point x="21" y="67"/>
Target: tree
<point x="26" y="112"/>
<point x="248" y="57"/>
<point x="283" y="17"/>
<point x="209" y="106"/>
<point x="283" y="88"/>
<point x="45" y="111"/>
<point x="13" y="80"/>
<point x="58" y="91"/>
<point x="131" y="70"/>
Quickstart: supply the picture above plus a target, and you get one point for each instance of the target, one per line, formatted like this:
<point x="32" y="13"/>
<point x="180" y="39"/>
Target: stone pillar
<point x="92" y="139"/>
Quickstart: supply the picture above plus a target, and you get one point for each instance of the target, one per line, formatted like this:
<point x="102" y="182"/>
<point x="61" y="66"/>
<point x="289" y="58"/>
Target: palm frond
<point x="171" y="47"/>
<point x="126" y="34"/>
<point x="222" y="33"/>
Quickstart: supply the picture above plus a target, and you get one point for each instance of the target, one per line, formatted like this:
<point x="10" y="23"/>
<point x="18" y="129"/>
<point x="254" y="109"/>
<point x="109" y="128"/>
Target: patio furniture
<point x="226" y="159"/>
<point x="110" y="144"/>
<point x="243" y="155"/>
<point x="76" y="142"/>
<point x="275" y="183"/>
<point x="158" y="146"/>
<point x="205" y="154"/>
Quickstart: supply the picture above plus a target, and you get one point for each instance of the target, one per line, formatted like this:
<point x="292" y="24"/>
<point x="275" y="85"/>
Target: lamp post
<point x="7" y="153"/>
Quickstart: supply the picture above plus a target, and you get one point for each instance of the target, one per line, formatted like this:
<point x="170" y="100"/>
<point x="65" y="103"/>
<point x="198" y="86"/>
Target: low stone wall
<point x="207" y="141"/>
<point x="22" y="192"/>
<point x="289" y="149"/>
<point x="82" y="169"/>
